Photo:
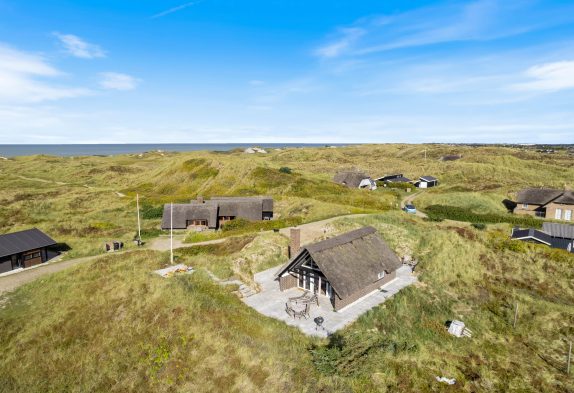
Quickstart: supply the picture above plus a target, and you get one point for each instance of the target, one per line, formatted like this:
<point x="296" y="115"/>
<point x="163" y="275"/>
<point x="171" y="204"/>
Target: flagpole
<point x="171" y="234"/>
<point x="139" y="224"/>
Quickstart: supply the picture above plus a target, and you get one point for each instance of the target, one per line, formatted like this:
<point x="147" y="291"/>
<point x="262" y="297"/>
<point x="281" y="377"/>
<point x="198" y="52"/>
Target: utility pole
<point x="171" y="234"/>
<point x="515" y="316"/>
<point x="139" y="224"/>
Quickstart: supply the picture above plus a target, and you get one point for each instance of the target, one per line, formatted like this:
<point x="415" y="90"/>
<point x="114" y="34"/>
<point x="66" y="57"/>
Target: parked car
<point x="410" y="209"/>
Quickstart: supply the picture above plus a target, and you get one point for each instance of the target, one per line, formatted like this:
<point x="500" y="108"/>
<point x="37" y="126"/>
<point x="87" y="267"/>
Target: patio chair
<point x="299" y="298"/>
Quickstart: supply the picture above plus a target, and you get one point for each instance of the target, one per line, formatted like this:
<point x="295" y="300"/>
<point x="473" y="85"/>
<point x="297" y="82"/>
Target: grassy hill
<point x="85" y="201"/>
<point x="110" y="325"/>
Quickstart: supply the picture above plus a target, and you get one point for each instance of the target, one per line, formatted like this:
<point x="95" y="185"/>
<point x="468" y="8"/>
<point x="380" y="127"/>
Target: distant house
<point x="545" y="203"/>
<point x="215" y="212"/>
<point x="24" y="249"/>
<point x="396" y="178"/>
<point x="552" y="234"/>
<point x="344" y="268"/>
<point x="427" y="182"/>
<point x="354" y="179"/>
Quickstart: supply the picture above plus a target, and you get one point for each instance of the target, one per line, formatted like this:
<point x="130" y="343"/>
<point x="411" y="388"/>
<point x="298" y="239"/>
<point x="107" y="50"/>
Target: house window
<point x="32" y="256"/>
<point x="310" y="264"/>
<point x="381" y="275"/>
<point x="525" y="205"/>
<point x="558" y="214"/>
<point x="568" y="215"/>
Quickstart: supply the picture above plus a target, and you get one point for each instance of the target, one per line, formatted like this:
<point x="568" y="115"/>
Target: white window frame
<point x="567" y="215"/>
<point x="381" y="275"/>
<point x="558" y="214"/>
<point x="525" y="205"/>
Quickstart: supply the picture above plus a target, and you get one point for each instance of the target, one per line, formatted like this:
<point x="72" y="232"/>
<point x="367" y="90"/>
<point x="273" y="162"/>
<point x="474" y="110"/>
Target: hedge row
<point x="442" y="212"/>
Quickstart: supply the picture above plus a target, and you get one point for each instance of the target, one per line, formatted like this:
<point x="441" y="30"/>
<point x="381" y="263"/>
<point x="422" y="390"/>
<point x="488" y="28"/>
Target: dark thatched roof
<point x="17" y="242"/>
<point x="351" y="179"/>
<point x="537" y="196"/>
<point x="249" y="208"/>
<point x="567" y="198"/>
<point x="350" y="261"/>
<point x="182" y="213"/>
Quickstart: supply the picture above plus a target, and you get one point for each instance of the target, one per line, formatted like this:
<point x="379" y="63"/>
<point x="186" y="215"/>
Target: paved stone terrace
<point x="271" y="302"/>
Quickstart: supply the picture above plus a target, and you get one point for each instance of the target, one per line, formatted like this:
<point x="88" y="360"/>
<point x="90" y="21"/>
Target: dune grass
<point x="86" y="201"/>
<point x="111" y="325"/>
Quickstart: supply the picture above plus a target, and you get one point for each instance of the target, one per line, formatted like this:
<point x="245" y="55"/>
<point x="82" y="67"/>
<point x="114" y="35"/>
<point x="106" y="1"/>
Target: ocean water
<point x="113" y="149"/>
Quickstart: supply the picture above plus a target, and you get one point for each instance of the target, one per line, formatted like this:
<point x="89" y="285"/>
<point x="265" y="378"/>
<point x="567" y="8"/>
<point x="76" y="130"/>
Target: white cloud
<point x="480" y="20"/>
<point x="549" y="77"/>
<point x="175" y="9"/>
<point x="336" y="48"/>
<point x="77" y="47"/>
<point x="118" y="81"/>
<point x="256" y="82"/>
<point x="21" y="79"/>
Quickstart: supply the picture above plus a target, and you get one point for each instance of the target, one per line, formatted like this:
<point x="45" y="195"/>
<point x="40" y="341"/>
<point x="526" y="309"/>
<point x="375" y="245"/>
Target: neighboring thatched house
<point x="552" y="234"/>
<point x="216" y="211"/>
<point x="344" y="268"/>
<point x="24" y="249"/>
<point x="545" y="203"/>
<point x="355" y="179"/>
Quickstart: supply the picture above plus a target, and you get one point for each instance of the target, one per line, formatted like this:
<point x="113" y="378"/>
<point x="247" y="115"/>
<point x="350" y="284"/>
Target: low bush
<point x="435" y="212"/>
<point x="242" y="225"/>
<point x="401" y="186"/>
<point x="149" y="212"/>
<point x="285" y="169"/>
<point x="479" y="225"/>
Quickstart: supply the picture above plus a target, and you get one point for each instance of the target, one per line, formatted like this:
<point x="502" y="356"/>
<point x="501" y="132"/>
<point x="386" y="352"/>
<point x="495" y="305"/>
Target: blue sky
<point x="286" y="71"/>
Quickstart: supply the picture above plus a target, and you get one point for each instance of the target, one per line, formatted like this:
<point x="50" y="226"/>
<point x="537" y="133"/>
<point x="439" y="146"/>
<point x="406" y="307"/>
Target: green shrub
<point x="479" y="225"/>
<point x="149" y="212"/>
<point x="402" y="186"/>
<point x="285" y="169"/>
<point x="462" y="214"/>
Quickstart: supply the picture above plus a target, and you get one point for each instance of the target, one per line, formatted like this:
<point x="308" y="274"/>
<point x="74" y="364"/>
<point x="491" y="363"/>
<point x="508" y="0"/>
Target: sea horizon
<point x="111" y="149"/>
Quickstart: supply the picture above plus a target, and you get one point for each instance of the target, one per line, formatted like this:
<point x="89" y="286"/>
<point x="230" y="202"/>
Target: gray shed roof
<point x="352" y="260"/>
<point x="564" y="231"/>
<point x="537" y="196"/>
<point x="17" y="242"/>
<point x="351" y="179"/>
<point x="428" y="178"/>
<point x="531" y="234"/>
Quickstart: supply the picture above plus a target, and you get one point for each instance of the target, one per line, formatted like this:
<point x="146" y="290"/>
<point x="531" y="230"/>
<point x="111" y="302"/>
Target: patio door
<point x="307" y="280"/>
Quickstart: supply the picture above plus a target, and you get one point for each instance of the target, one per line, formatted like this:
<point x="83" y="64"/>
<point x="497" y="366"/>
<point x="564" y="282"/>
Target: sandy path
<point x="409" y="199"/>
<point x="13" y="281"/>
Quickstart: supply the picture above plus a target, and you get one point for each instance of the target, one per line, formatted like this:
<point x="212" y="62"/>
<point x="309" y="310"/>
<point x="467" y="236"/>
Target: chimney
<point x="295" y="243"/>
<point x="200" y="199"/>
